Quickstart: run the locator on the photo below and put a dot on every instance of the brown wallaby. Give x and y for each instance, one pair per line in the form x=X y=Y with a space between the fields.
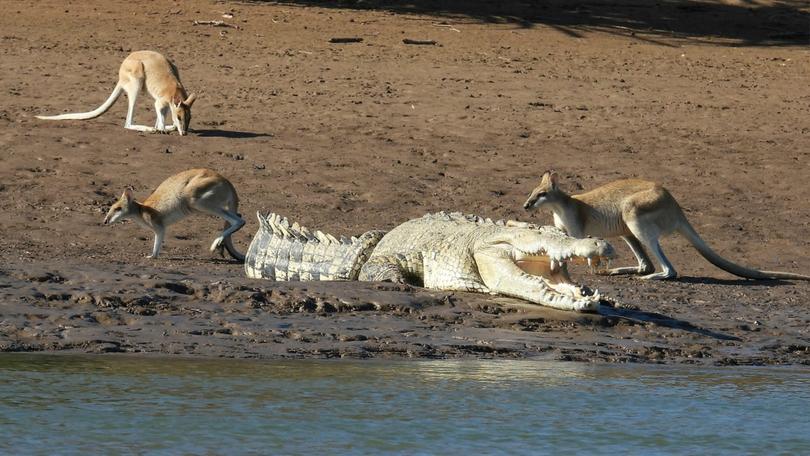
x=638 y=211
x=195 y=190
x=162 y=81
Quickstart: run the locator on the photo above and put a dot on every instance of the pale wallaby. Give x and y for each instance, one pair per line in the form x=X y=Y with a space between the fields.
x=195 y=190
x=638 y=211
x=160 y=77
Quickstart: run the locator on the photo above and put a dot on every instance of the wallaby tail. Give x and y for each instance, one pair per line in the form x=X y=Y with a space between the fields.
x=230 y=248
x=233 y=207
x=686 y=229
x=92 y=114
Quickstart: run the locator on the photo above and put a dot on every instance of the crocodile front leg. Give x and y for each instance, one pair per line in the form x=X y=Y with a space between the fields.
x=395 y=268
x=382 y=269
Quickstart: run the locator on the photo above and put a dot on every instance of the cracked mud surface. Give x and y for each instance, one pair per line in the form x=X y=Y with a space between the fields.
x=351 y=137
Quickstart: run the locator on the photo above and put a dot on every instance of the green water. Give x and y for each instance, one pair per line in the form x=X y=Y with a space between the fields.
x=131 y=405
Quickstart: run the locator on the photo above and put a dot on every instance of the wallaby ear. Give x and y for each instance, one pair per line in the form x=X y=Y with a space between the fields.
x=127 y=196
x=554 y=179
x=550 y=178
x=190 y=100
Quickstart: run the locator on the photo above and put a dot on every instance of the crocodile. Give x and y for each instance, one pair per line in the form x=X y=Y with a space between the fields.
x=445 y=251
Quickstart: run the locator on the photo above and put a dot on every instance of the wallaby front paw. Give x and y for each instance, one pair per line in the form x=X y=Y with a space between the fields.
x=658 y=276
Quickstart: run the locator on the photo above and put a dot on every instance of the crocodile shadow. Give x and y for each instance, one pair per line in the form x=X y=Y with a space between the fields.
x=642 y=317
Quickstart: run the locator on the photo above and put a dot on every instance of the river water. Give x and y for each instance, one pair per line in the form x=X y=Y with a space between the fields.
x=54 y=404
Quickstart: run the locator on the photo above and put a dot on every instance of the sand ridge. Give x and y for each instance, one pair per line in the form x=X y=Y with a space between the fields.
x=351 y=137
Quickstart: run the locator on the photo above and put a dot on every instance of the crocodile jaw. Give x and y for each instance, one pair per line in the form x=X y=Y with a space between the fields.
x=531 y=277
x=554 y=272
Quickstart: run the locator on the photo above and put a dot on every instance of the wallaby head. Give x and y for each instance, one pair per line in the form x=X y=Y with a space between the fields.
x=547 y=191
x=122 y=209
x=181 y=114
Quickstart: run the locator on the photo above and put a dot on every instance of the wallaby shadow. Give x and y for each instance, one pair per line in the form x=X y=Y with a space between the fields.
x=226 y=261
x=639 y=316
x=731 y=282
x=212 y=133
x=200 y=259
x=716 y=281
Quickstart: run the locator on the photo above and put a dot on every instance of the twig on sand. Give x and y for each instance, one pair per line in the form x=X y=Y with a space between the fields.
x=352 y=39
x=420 y=42
x=216 y=24
x=448 y=27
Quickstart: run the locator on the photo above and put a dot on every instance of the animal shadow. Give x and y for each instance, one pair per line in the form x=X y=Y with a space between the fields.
x=201 y=259
x=213 y=133
x=731 y=282
x=639 y=316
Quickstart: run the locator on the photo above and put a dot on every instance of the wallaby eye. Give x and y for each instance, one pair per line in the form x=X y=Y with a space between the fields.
x=541 y=195
x=117 y=209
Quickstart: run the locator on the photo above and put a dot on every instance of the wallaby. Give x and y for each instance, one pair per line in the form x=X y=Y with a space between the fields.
x=195 y=190
x=638 y=211
x=160 y=77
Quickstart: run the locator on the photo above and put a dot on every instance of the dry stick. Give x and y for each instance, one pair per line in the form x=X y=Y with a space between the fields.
x=422 y=42
x=352 y=39
x=448 y=26
x=216 y=24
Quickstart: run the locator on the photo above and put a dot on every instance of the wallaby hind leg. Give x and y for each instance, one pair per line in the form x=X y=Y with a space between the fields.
x=220 y=249
x=234 y=223
x=648 y=235
x=645 y=266
x=133 y=88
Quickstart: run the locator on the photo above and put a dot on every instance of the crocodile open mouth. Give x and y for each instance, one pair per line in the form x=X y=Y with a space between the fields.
x=556 y=269
x=553 y=270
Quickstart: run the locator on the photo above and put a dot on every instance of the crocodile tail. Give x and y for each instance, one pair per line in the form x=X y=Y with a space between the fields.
x=686 y=229
x=281 y=250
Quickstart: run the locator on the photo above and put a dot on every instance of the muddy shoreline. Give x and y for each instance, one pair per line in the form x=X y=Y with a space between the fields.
x=357 y=136
x=197 y=313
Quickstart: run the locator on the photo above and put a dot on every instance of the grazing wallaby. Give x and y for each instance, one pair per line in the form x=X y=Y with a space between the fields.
x=195 y=190
x=161 y=79
x=638 y=211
